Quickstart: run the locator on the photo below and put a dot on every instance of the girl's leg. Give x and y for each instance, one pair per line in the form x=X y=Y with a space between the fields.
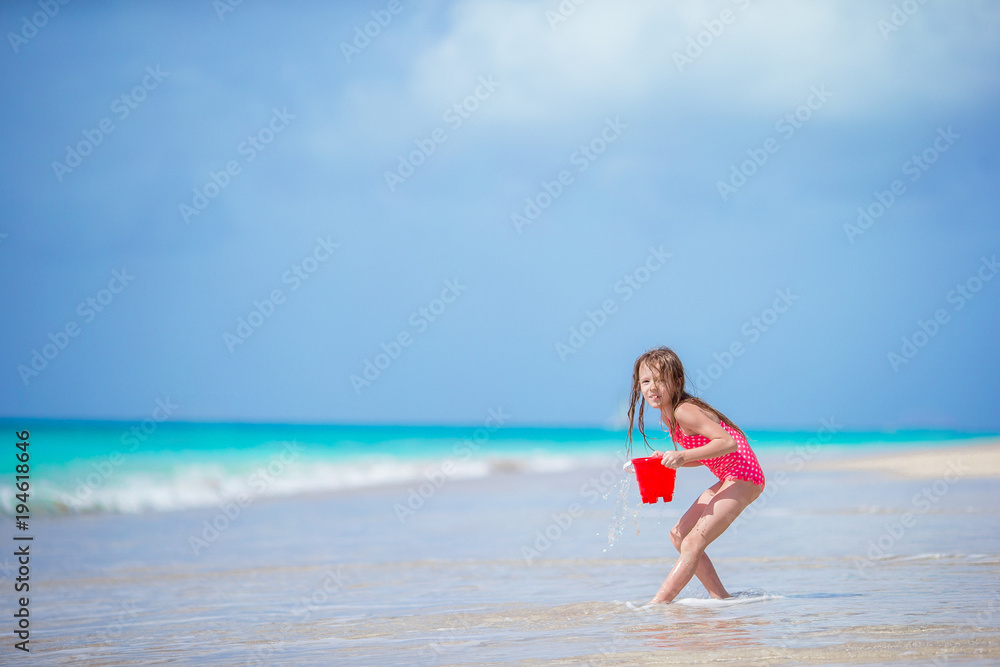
x=723 y=508
x=705 y=571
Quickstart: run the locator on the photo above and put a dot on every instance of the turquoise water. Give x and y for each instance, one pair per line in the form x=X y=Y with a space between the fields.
x=83 y=467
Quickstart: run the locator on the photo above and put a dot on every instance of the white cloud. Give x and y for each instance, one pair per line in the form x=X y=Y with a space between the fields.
x=617 y=58
x=617 y=54
x=599 y=53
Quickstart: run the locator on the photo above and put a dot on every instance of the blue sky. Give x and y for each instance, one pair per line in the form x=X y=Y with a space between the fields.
x=619 y=123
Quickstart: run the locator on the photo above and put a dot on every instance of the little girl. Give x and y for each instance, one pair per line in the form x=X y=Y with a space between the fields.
x=708 y=438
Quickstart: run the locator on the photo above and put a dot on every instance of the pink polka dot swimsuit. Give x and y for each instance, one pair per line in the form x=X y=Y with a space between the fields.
x=741 y=464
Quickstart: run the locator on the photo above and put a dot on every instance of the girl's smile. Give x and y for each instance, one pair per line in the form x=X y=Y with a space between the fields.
x=652 y=389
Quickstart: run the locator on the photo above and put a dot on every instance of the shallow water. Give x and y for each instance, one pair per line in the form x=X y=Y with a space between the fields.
x=517 y=568
x=477 y=612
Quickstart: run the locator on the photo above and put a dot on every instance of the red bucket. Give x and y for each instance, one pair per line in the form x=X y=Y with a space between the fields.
x=655 y=479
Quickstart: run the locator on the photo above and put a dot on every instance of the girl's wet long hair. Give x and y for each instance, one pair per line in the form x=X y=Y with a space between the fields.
x=665 y=364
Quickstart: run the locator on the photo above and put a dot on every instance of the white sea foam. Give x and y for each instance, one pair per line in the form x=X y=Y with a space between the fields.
x=743 y=597
x=154 y=486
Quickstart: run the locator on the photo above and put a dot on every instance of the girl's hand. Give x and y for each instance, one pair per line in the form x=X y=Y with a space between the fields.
x=674 y=459
x=658 y=454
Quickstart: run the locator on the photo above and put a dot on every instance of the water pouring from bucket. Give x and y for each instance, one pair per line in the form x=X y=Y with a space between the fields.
x=655 y=479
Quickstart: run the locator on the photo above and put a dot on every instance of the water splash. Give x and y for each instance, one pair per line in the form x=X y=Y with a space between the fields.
x=620 y=516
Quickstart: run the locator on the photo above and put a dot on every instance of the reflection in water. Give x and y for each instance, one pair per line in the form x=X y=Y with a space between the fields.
x=701 y=633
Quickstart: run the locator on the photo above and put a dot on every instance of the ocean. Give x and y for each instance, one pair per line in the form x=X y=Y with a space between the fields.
x=84 y=467
x=223 y=544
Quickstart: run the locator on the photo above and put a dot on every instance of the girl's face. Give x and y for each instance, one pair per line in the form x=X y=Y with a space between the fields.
x=653 y=389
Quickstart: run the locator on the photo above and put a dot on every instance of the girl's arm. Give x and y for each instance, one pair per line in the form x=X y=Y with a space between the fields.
x=689 y=464
x=693 y=419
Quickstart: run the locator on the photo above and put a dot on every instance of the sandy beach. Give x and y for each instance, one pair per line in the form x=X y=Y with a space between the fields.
x=976 y=459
